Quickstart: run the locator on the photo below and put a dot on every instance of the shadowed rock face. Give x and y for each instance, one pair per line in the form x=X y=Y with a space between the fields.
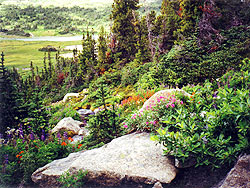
x=239 y=176
x=130 y=158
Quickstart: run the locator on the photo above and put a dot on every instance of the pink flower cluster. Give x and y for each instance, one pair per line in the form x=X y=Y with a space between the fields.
x=124 y=125
x=170 y=100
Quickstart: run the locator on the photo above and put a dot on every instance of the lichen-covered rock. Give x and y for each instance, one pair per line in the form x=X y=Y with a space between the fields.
x=163 y=93
x=239 y=176
x=70 y=95
x=128 y=158
x=68 y=124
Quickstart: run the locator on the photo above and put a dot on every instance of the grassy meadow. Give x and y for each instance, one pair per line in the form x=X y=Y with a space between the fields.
x=19 y=53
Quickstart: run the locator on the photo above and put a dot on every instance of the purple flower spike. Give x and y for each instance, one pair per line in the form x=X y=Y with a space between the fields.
x=58 y=135
x=32 y=136
x=65 y=135
x=42 y=137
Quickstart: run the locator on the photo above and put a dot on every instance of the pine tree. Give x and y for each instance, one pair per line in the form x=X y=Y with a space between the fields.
x=10 y=99
x=142 y=45
x=38 y=117
x=88 y=61
x=189 y=13
x=123 y=28
x=102 y=48
x=169 y=21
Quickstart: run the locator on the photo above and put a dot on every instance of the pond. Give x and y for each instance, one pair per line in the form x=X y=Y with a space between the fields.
x=47 y=38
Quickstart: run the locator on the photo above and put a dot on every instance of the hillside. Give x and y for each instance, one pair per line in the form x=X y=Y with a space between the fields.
x=179 y=76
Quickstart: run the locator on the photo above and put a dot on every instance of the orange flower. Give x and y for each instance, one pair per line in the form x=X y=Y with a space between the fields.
x=17 y=156
x=63 y=144
x=199 y=102
x=20 y=157
x=71 y=139
x=193 y=93
x=21 y=152
x=80 y=145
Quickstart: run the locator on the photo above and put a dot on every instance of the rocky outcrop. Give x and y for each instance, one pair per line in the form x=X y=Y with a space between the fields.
x=130 y=158
x=68 y=124
x=163 y=93
x=239 y=176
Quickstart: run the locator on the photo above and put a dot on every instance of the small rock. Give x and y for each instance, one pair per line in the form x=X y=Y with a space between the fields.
x=70 y=95
x=85 y=112
x=157 y=185
x=83 y=132
x=68 y=124
x=76 y=139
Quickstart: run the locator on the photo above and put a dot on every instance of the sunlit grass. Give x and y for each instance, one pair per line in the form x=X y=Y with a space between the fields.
x=19 y=54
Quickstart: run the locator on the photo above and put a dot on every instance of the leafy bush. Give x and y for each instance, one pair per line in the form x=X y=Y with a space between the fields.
x=213 y=127
x=150 y=118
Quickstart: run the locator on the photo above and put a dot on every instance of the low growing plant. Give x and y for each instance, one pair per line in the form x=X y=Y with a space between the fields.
x=69 y=180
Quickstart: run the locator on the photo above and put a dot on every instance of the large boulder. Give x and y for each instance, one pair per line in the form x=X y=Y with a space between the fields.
x=130 y=158
x=68 y=124
x=163 y=93
x=239 y=176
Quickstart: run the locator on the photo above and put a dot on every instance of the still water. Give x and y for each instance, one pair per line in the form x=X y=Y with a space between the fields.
x=47 y=38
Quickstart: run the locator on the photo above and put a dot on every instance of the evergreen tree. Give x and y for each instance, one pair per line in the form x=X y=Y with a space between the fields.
x=123 y=28
x=189 y=13
x=170 y=23
x=88 y=61
x=102 y=49
x=142 y=44
x=10 y=100
x=37 y=115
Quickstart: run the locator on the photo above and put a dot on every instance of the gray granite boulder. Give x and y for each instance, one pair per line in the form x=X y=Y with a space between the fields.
x=239 y=176
x=130 y=158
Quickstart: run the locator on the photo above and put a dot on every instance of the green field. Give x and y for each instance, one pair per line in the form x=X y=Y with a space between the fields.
x=19 y=54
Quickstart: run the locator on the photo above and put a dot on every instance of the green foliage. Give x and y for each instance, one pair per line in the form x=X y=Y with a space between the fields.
x=213 y=126
x=102 y=49
x=189 y=14
x=151 y=117
x=193 y=64
x=73 y=180
x=23 y=154
x=58 y=112
x=88 y=61
x=123 y=28
x=11 y=102
x=105 y=124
